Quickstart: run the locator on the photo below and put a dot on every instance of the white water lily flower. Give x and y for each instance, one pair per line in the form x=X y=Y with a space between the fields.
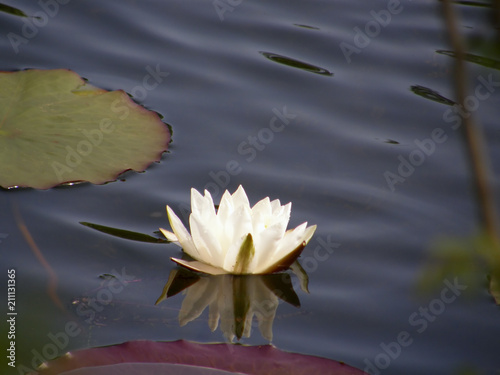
x=237 y=239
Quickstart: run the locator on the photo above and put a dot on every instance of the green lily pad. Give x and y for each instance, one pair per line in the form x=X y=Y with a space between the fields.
x=56 y=128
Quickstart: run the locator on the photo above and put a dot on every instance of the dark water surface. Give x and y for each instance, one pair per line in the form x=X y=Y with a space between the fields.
x=330 y=125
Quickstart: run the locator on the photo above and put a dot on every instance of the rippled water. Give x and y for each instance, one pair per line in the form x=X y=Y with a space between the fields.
x=270 y=88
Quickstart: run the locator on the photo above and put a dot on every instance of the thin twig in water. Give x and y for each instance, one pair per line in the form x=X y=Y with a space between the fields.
x=52 y=284
x=472 y=133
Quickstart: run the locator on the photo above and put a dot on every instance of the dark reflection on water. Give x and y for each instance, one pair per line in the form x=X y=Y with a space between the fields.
x=238 y=302
x=296 y=63
x=430 y=94
x=329 y=161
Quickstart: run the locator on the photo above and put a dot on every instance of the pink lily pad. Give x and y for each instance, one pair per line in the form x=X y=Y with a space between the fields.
x=250 y=360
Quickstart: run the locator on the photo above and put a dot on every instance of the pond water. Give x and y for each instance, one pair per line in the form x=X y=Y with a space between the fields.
x=292 y=101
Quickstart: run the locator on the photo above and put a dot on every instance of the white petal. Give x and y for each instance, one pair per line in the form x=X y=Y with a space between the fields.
x=223 y=213
x=240 y=198
x=265 y=244
x=242 y=222
x=228 y=218
x=211 y=216
x=264 y=205
x=197 y=201
x=290 y=242
x=205 y=241
x=225 y=205
x=182 y=234
x=231 y=255
x=238 y=227
x=282 y=215
x=261 y=215
x=276 y=205
x=170 y=236
x=206 y=230
x=309 y=233
x=202 y=206
x=267 y=240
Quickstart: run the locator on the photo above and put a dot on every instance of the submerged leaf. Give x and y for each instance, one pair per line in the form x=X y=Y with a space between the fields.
x=55 y=128
x=123 y=233
x=11 y=10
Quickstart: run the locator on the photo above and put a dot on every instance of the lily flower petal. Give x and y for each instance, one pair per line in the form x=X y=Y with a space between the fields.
x=182 y=234
x=240 y=197
x=238 y=230
x=267 y=242
x=205 y=241
x=275 y=206
x=169 y=235
x=295 y=239
x=203 y=205
x=236 y=238
x=261 y=214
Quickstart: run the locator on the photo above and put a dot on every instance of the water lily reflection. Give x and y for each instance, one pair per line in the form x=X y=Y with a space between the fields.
x=234 y=300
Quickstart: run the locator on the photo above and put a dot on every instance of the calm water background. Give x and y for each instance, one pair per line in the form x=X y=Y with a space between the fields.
x=347 y=124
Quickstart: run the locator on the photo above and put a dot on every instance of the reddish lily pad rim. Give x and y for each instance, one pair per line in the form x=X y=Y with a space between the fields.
x=262 y=359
